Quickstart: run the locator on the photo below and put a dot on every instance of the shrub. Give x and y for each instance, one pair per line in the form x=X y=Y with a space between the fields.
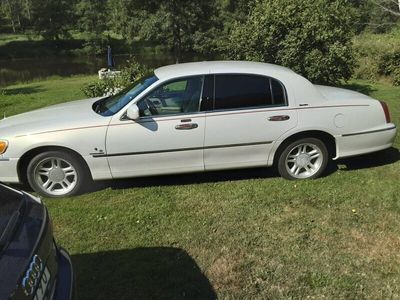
x=389 y=62
x=396 y=77
x=111 y=85
x=312 y=37
x=97 y=88
x=367 y=68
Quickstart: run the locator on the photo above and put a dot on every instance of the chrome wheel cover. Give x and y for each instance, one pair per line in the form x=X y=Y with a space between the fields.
x=304 y=160
x=55 y=176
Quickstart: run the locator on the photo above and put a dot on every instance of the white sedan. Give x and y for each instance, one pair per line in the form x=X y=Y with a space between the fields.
x=189 y=118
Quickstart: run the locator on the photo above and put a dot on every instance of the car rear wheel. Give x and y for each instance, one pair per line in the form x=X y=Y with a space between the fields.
x=303 y=159
x=56 y=174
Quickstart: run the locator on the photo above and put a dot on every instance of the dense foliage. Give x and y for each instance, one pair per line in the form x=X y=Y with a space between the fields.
x=311 y=37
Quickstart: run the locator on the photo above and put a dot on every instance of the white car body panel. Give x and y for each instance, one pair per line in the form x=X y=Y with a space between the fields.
x=223 y=139
x=152 y=146
x=256 y=137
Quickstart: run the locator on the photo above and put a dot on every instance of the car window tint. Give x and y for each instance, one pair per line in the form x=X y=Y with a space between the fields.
x=241 y=91
x=278 y=92
x=208 y=93
x=174 y=97
x=238 y=91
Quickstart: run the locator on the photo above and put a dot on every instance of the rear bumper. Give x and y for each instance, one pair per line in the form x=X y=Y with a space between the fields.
x=65 y=285
x=8 y=170
x=358 y=143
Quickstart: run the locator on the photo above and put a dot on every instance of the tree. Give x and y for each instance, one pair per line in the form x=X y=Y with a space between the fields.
x=92 y=16
x=380 y=15
x=51 y=18
x=312 y=37
x=390 y=6
x=182 y=25
x=11 y=10
x=92 y=20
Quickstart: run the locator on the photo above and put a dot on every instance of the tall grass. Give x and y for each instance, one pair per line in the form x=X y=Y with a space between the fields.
x=371 y=50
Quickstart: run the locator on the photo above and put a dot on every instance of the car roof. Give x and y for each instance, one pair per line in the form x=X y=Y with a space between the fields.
x=299 y=88
x=215 y=67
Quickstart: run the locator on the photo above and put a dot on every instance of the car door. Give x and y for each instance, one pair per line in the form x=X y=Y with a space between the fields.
x=167 y=138
x=250 y=113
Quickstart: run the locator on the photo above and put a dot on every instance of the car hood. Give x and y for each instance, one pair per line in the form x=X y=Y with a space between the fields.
x=57 y=117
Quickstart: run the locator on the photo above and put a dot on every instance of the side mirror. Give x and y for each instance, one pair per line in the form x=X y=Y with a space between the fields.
x=133 y=112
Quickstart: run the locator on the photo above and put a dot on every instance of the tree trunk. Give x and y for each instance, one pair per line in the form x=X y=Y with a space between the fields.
x=10 y=10
x=28 y=9
x=13 y=25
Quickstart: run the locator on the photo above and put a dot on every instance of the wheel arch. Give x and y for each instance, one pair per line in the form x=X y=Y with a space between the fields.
x=25 y=159
x=328 y=139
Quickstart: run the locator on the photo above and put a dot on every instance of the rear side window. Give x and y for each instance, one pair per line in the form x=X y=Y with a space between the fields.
x=278 y=92
x=240 y=91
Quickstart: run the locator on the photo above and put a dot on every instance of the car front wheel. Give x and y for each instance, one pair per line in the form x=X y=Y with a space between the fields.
x=56 y=174
x=303 y=159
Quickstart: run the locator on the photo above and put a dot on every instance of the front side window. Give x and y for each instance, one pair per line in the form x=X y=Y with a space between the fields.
x=175 y=97
x=234 y=91
x=111 y=105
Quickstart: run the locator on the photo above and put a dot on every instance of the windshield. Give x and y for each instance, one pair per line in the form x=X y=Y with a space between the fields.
x=111 y=105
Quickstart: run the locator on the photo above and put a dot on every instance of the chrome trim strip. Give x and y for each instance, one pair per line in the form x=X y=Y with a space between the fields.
x=200 y=115
x=367 y=132
x=180 y=150
x=4 y=159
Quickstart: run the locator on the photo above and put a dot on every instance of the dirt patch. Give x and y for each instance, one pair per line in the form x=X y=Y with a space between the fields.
x=224 y=272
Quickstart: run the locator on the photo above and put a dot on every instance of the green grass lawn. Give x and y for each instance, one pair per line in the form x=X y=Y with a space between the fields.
x=25 y=97
x=232 y=235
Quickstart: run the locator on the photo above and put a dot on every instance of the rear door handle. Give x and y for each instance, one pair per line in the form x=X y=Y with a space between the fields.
x=279 y=118
x=186 y=126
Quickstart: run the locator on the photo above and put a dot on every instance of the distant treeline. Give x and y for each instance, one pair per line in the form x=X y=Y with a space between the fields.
x=278 y=31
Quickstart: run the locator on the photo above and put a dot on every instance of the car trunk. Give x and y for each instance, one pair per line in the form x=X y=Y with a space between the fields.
x=333 y=93
x=22 y=223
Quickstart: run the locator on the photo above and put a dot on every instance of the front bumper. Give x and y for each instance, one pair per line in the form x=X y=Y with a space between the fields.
x=8 y=170
x=65 y=285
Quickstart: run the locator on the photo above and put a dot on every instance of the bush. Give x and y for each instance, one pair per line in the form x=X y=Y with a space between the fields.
x=112 y=85
x=312 y=37
x=367 y=68
x=389 y=63
x=396 y=77
x=96 y=88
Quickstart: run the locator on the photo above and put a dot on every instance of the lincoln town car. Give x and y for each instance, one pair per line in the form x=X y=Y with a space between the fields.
x=193 y=117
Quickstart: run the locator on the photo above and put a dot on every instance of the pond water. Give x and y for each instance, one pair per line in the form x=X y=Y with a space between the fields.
x=24 y=70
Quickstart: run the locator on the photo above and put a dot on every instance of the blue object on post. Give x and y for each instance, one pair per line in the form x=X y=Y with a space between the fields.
x=110 y=59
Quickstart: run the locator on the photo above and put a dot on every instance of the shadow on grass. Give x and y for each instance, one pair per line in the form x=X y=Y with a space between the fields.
x=362 y=88
x=377 y=159
x=381 y=158
x=372 y=160
x=142 y=273
x=186 y=179
x=23 y=90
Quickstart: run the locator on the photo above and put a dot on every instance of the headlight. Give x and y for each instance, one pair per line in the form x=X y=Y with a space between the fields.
x=3 y=146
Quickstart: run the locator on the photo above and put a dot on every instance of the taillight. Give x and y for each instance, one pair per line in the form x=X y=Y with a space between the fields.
x=386 y=111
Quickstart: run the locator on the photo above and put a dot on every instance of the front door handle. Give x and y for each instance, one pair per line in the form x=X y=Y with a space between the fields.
x=186 y=126
x=279 y=118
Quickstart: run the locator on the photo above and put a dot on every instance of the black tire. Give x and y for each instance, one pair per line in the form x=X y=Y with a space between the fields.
x=80 y=177
x=286 y=168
